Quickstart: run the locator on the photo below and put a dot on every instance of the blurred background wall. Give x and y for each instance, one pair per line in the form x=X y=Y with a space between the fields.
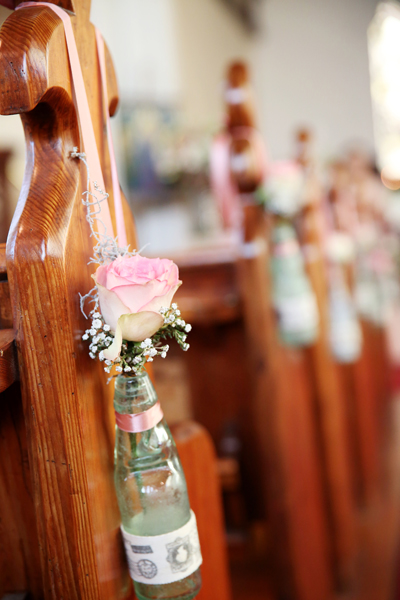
x=309 y=64
x=309 y=60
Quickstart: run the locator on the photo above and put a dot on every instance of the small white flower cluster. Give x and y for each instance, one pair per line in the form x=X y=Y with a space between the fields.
x=134 y=355
x=150 y=351
x=172 y=317
x=99 y=335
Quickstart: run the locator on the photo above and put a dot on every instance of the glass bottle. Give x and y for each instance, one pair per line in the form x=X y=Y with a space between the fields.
x=293 y=296
x=345 y=330
x=158 y=527
x=368 y=296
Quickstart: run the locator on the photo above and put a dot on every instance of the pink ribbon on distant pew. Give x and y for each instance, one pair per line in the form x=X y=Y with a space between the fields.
x=139 y=422
x=225 y=192
x=86 y=124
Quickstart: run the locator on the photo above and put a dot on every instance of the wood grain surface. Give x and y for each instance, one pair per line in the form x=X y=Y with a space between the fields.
x=8 y=359
x=6 y=321
x=3 y=262
x=284 y=423
x=67 y=405
x=199 y=463
x=281 y=400
x=19 y=548
x=329 y=392
x=210 y=294
x=367 y=416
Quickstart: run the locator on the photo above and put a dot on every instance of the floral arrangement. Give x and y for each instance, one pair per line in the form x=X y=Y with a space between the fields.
x=133 y=315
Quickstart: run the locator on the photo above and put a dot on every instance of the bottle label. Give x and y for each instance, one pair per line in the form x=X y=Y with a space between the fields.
x=159 y=559
x=346 y=340
x=298 y=313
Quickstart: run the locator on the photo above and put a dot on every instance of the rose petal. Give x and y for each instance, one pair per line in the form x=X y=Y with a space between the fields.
x=133 y=328
x=156 y=303
x=111 y=306
x=117 y=280
x=173 y=275
x=138 y=270
x=114 y=350
x=101 y=275
x=136 y=327
x=132 y=270
x=136 y=297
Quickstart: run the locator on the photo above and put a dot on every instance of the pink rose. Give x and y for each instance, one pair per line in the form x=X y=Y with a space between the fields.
x=131 y=292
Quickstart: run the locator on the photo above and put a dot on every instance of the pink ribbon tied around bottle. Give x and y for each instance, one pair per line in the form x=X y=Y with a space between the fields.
x=139 y=422
x=286 y=248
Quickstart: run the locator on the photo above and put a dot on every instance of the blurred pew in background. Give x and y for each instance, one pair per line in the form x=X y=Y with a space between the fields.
x=322 y=479
x=328 y=388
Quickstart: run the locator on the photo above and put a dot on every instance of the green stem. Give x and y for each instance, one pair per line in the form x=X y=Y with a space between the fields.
x=138 y=476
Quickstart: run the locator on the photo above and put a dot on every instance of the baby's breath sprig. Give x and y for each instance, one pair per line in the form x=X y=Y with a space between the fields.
x=134 y=355
x=174 y=326
x=99 y=335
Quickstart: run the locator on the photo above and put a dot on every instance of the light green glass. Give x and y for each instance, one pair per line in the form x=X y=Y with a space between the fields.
x=150 y=483
x=344 y=328
x=293 y=296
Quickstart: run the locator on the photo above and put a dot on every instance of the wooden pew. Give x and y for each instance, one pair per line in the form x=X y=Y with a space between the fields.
x=60 y=521
x=361 y=378
x=283 y=421
x=19 y=554
x=66 y=404
x=328 y=386
x=198 y=458
x=7 y=193
x=281 y=403
x=19 y=550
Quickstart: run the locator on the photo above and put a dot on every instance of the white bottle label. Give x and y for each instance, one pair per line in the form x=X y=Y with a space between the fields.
x=159 y=559
x=298 y=313
x=346 y=340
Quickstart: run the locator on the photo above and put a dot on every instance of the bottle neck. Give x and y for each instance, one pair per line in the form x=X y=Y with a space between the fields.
x=134 y=394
